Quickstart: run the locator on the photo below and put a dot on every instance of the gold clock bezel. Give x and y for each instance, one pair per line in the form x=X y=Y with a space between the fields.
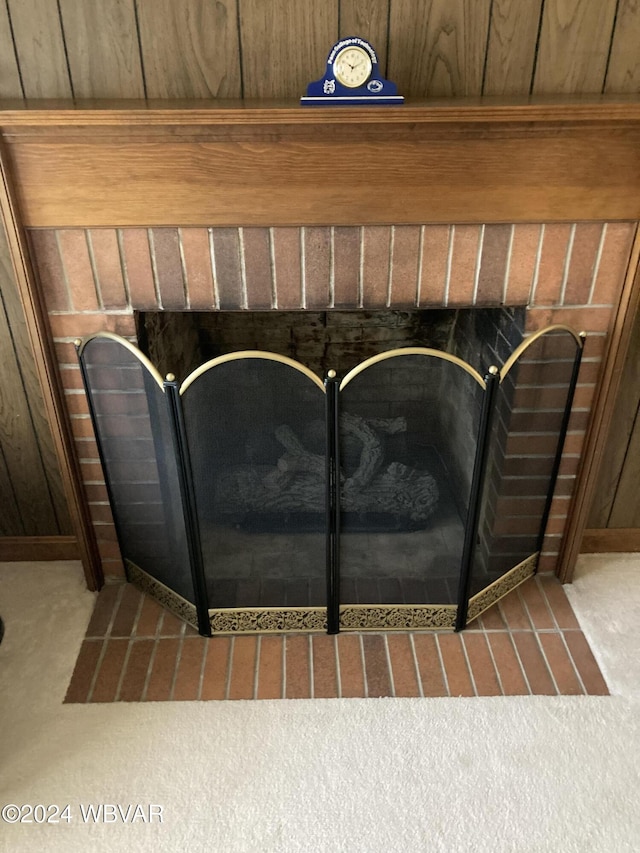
x=337 y=74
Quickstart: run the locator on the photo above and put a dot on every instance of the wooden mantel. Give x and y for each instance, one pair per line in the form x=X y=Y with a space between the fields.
x=225 y=163
x=242 y=163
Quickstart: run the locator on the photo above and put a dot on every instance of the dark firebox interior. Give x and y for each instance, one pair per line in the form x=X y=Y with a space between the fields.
x=257 y=438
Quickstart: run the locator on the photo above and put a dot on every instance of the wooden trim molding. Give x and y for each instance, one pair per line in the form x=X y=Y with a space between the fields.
x=229 y=164
x=610 y=540
x=55 y=112
x=27 y=548
x=42 y=345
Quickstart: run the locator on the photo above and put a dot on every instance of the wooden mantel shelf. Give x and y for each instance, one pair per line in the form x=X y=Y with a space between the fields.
x=233 y=163
x=42 y=113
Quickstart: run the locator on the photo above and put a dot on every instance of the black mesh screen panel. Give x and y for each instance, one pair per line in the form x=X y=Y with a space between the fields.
x=525 y=438
x=408 y=432
x=132 y=429
x=256 y=434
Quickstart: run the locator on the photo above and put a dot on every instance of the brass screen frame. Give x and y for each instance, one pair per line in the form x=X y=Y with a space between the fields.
x=250 y=354
x=81 y=343
x=579 y=338
x=400 y=351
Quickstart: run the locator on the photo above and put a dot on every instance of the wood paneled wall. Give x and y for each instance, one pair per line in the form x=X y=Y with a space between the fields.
x=273 y=48
x=266 y=49
x=31 y=495
x=616 y=506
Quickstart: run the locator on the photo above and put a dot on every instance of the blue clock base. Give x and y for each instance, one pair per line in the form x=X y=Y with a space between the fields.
x=351 y=101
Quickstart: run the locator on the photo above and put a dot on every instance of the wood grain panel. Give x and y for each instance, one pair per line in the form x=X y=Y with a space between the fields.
x=102 y=48
x=574 y=45
x=28 y=375
x=190 y=49
x=40 y=48
x=30 y=548
x=19 y=444
x=368 y=19
x=620 y=540
x=280 y=175
x=626 y=506
x=618 y=441
x=623 y=74
x=437 y=50
x=513 y=36
x=10 y=521
x=10 y=86
x=285 y=45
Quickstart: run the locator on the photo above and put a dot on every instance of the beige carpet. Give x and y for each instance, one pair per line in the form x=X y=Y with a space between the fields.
x=606 y=597
x=501 y=774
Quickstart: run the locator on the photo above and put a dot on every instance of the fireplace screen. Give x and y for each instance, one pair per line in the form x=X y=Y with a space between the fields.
x=407 y=463
x=255 y=427
x=411 y=492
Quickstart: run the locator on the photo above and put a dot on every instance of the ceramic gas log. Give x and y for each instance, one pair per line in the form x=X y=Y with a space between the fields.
x=411 y=491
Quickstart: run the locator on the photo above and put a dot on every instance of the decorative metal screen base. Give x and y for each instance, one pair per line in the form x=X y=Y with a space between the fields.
x=354 y=617
x=169 y=599
x=412 y=493
x=503 y=586
x=267 y=620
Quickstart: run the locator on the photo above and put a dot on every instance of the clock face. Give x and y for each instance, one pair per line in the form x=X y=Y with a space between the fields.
x=352 y=67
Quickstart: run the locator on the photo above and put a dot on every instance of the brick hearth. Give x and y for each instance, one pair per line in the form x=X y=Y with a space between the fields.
x=94 y=280
x=528 y=644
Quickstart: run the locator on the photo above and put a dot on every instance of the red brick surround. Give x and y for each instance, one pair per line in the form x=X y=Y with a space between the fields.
x=94 y=280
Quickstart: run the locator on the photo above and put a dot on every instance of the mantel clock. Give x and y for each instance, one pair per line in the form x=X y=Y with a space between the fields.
x=352 y=77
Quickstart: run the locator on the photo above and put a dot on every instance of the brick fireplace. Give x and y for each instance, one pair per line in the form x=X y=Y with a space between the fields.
x=226 y=206
x=96 y=279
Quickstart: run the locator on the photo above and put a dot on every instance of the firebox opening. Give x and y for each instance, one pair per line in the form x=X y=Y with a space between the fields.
x=179 y=342
x=408 y=441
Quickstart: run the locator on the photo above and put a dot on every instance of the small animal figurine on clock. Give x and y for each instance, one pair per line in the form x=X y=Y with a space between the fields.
x=352 y=77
